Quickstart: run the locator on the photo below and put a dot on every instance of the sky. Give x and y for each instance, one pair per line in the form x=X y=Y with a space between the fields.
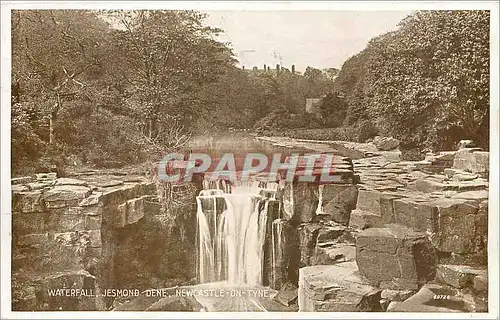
x=321 y=39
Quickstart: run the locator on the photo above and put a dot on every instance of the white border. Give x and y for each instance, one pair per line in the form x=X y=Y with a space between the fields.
x=5 y=205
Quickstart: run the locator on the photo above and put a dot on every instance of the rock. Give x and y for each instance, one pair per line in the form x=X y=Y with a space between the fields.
x=300 y=201
x=28 y=202
x=336 y=288
x=21 y=180
x=385 y=143
x=287 y=295
x=376 y=202
x=39 y=185
x=284 y=259
x=19 y=188
x=384 y=303
x=464 y=176
x=338 y=200
x=326 y=254
x=466 y=144
x=46 y=176
x=392 y=306
x=93 y=199
x=79 y=280
x=71 y=182
x=396 y=295
x=456 y=220
x=395 y=257
x=59 y=196
x=472 y=195
x=65 y=222
x=129 y=212
x=363 y=220
x=95 y=238
x=480 y=282
x=332 y=233
x=431 y=298
x=427 y=186
x=457 y=276
x=418 y=175
x=445 y=156
x=28 y=223
x=472 y=161
x=108 y=183
x=308 y=235
x=29 y=240
x=419 y=216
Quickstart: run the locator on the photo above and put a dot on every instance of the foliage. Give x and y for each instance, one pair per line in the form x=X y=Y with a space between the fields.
x=333 y=109
x=426 y=83
x=80 y=77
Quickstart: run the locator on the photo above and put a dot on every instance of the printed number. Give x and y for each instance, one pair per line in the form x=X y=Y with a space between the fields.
x=442 y=297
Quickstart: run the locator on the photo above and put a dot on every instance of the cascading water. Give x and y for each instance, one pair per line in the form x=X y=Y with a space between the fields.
x=232 y=223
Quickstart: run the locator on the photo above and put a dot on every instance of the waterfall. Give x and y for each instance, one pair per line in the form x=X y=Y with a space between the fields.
x=231 y=222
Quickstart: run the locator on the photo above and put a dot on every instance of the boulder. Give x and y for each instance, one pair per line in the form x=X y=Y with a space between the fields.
x=472 y=161
x=385 y=143
x=466 y=144
x=338 y=200
x=395 y=257
x=336 y=288
x=455 y=221
x=456 y=275
x=480 y=282
x=416 y=215
x=287 y=295
x=396 y=295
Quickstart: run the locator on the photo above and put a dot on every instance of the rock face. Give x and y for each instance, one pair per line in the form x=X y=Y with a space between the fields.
x=336 y=288
x=338 y=200
x=63 y=237
x=395 y=257
x=301 y=201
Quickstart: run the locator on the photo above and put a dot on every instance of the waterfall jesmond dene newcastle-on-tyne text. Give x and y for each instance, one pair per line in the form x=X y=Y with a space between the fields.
x=326 y=158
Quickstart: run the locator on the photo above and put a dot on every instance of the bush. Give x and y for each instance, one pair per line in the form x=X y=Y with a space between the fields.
x=281 y=120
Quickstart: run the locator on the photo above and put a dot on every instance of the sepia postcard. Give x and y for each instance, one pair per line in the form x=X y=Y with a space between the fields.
x=225 y=159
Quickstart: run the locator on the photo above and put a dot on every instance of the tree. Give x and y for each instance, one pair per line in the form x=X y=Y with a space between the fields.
x=56 y=57
x=162 y=59
x=429 y=80
x=333 y=110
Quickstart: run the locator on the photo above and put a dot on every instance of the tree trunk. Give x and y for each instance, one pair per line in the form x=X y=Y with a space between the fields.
x=52 y=120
